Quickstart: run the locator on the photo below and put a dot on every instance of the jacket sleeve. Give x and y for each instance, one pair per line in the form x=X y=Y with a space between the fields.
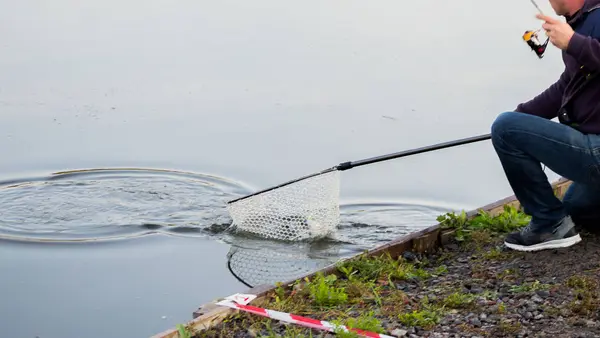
x=586 y=49
x=547 y=103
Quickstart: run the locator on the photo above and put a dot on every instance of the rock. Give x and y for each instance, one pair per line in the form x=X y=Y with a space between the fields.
x=409 y=256
x=543 y=293
x=399 y=333
x=476 y=290
x=538 y=317
x=591 y=323
x=476 y=322
x=528 y=315
x=483 y=316
x=537 y=299
x=401 y=286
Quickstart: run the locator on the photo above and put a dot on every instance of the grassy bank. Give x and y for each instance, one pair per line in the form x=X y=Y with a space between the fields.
x=473 y=287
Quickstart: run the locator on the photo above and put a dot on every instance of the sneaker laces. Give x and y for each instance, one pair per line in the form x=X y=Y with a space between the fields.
x=527 y=228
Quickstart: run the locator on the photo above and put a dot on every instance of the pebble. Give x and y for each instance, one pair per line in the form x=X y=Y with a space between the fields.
x=538 y=317
x=543 y=293
x=399 y=333
x=476 y=322
x=409 y=256
x=537 y=299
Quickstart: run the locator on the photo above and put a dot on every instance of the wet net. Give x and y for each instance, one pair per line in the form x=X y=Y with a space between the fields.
x=303 y=210
x=262 y=265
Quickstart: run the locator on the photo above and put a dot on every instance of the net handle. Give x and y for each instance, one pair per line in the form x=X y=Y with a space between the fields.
x=353 y=164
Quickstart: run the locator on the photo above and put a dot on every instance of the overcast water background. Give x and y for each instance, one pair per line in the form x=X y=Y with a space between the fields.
x=235 y=96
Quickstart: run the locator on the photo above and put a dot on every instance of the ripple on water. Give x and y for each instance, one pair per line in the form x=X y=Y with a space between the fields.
x=114 y=203
x=370 y=224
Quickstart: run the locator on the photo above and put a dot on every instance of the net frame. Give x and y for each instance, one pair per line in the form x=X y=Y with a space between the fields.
x=302 y=210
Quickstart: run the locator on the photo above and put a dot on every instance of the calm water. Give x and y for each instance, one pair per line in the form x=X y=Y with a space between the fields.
x=230 y=97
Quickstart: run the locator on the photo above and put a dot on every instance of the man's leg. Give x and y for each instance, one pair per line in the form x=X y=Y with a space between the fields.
x=582 y=202
x=523 y=142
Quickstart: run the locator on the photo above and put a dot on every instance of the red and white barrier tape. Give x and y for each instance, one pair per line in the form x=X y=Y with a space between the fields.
x=240 y=301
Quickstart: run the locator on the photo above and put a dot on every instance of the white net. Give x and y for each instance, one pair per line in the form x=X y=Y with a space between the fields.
x=306 y=209
x=262 y=265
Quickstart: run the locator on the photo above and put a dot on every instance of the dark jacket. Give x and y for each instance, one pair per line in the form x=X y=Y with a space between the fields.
x=577 y=91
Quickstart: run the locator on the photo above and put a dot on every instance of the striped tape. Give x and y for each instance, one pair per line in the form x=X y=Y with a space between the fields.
x=291 y=318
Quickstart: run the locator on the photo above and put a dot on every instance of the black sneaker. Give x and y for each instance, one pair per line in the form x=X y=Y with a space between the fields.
x=532 y=238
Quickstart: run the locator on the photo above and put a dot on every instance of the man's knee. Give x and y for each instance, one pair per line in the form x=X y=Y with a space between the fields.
x=503 y=122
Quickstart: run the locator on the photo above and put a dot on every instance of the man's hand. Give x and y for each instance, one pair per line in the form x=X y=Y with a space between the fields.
x=558 y=32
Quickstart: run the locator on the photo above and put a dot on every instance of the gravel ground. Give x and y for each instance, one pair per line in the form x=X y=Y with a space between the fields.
x=472 y=288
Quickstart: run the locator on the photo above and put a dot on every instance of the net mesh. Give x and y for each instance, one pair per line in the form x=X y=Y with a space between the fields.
x=259 y=266
x=302 y=210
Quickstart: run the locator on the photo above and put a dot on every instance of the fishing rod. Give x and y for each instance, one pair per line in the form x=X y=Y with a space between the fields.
x=532 y=39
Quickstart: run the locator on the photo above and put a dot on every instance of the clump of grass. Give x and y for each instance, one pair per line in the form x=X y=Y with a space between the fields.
x=381 y=268
x=459 y=300
x=324 y=293
x=481 y=225
x=426 y=318
x=586 y=296
x=183 y=331
x=425 y=315
x=507 y=328
x=528 y=287
x=365 y=321
x=510 y=220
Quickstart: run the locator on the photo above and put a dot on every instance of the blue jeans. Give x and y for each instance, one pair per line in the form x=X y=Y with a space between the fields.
x=523 y=142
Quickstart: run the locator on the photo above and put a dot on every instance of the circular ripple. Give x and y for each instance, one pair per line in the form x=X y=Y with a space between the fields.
x=370 y=224
x=114 y=203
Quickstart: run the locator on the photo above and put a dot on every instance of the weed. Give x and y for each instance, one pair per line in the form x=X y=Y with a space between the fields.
x=582 y=282
x=424 y=318
x=479 y=226
x=495 y=253
x=507 y=328
x=509 y=220
x=324 y=293
x=381 y=268
x=586 y=299
x=458 y=300
x=183 y=331
x=366 y=321
x=527 y=287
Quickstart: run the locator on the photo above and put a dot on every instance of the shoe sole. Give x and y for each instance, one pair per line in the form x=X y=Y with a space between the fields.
x=555 y=244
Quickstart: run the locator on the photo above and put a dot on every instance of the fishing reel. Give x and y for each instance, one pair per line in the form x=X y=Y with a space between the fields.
x=532 y=39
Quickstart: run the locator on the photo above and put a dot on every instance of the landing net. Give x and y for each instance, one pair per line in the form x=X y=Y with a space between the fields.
x=303 y=210
x=262 y=265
